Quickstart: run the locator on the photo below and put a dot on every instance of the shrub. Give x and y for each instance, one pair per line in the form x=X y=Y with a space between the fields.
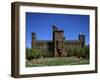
x=78 y=52
x=86 y=52
x=36 y=53
x=32 y=53
x=29 y=55
x=83 y=52
x=45 y=53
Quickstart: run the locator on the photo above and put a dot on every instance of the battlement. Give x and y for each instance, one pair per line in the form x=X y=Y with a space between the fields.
x=58 y=44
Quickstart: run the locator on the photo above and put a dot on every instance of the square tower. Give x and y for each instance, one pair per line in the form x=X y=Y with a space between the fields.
x=82 y=39
x=58 y=41
x=33 y=39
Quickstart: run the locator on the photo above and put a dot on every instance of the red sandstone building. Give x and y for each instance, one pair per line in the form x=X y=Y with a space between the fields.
x=58 y=46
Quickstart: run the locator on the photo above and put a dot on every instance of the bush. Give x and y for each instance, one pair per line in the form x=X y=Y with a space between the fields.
x=83 y=52
x=71 y=52
x=45 y=53
x=78 y=52
x=86 y=52
x=36 y=53
x=32 y=53
x=29 y=55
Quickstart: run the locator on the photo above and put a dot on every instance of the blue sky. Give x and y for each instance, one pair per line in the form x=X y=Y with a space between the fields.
x=41 y=24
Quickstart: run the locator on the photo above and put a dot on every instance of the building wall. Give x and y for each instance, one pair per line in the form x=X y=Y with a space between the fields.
x=58 y=46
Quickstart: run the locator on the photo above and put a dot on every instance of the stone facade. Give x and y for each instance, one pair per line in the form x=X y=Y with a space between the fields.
x=58 y=46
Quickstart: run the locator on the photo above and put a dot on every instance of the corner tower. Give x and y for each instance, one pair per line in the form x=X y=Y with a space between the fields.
x=82 y=39
x=33 y=39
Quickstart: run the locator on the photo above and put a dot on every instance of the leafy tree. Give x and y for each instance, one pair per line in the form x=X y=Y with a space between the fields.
x=32 y=53
x=86 y=52
x=83 y=52
x=45 y=53
x=78 y=52
x=36 y=53
x=29 y=55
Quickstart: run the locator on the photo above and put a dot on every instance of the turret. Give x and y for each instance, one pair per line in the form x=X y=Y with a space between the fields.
x=82 y=39
x=33 y=39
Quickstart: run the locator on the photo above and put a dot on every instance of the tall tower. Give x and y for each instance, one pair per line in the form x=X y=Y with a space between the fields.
x=33 y=39
x=58 y=41
x=82 y=39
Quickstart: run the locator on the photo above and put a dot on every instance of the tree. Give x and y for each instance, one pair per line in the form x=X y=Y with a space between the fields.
x=86 y=52
x=32 y=53
x=29 y=55
x=83 y=52
x=36 y=53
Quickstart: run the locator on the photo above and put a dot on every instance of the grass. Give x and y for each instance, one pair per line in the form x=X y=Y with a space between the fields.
x=56 y=61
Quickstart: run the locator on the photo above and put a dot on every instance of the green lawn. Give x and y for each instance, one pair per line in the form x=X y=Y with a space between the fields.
x=56 y=61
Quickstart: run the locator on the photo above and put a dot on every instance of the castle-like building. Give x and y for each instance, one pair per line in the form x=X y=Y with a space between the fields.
x=58 y=46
